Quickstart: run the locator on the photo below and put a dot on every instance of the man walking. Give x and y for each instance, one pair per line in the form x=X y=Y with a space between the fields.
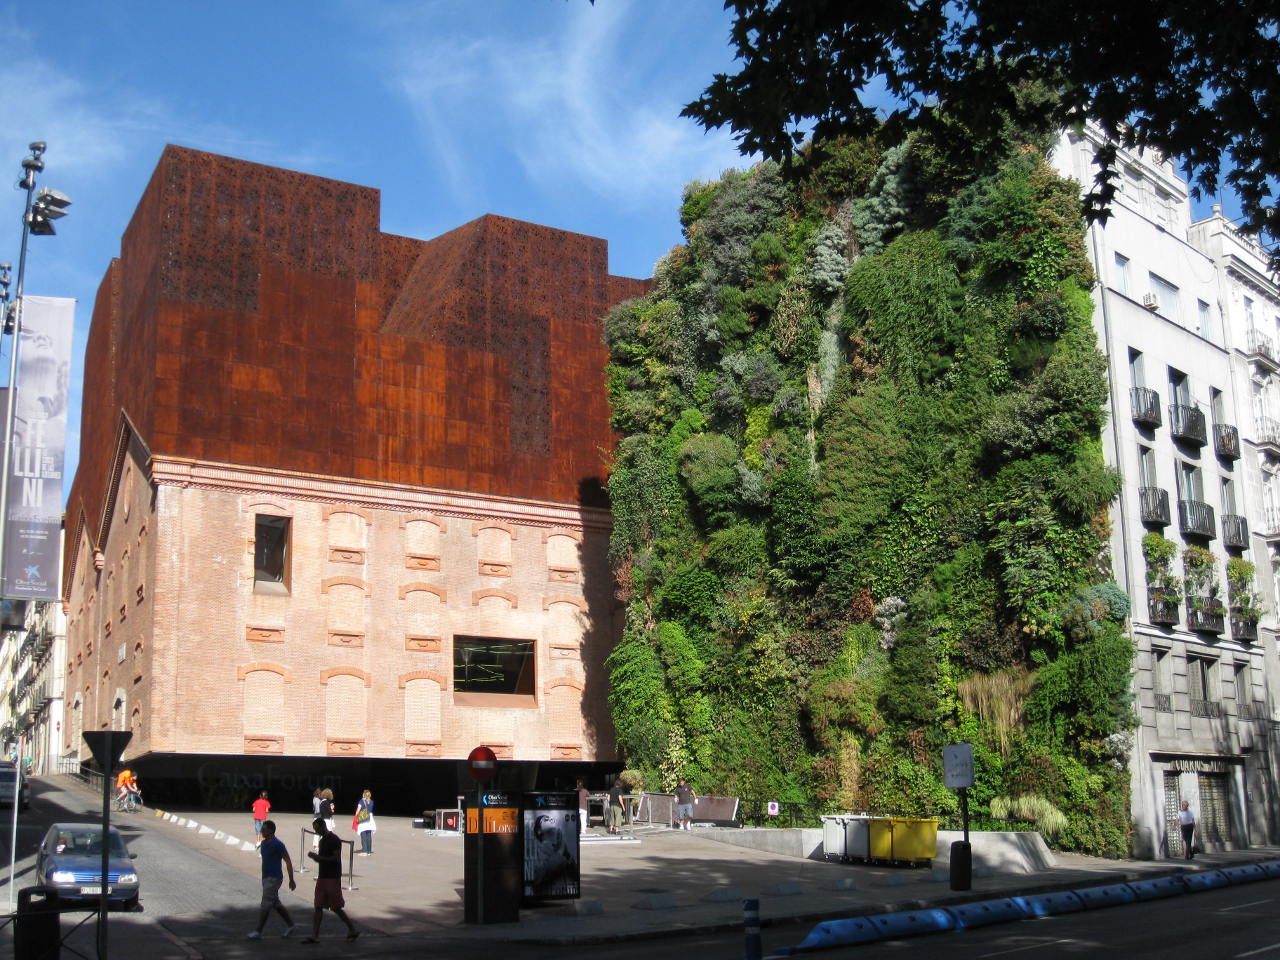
x=274 y=854
x=328 y=881
x=685 y=799
x=1187 y=821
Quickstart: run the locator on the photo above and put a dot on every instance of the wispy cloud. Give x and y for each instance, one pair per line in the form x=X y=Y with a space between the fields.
x=567 y=98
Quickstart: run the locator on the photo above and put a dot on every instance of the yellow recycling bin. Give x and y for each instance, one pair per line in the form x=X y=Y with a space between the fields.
x=915 y=839
x=911 y=840
x=880 y=835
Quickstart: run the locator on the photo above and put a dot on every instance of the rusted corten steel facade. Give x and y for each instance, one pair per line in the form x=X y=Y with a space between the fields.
x=258 y=326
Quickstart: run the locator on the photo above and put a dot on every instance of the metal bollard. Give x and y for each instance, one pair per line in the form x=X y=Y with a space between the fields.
x=752 y=949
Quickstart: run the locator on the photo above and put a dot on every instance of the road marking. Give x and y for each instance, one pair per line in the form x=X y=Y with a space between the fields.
x=1254 y=953
x=1241 y=906
x=1030 y=946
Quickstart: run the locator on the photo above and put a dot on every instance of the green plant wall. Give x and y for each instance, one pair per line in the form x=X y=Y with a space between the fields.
x=861 y=465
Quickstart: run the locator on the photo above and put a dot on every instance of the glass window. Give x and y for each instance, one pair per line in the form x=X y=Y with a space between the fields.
x=1244 y=684
x=1179 y=388
x=1189 y=485
x=493 y=665
x=1122 y=274
x=1206 y=319
x=1199 y=677
x=271 y=554
x=1228 y=497
x=1137 y=375
x=1166 y=295
x=1146 y=466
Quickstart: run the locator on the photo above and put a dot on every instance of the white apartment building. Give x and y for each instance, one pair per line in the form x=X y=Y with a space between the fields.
x=32 y=652
x=1190 y=323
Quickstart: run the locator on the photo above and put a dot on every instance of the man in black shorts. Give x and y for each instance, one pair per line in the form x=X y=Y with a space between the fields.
x=328 y=881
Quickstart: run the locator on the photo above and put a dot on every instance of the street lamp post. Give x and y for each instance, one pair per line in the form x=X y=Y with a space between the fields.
x=42 y=208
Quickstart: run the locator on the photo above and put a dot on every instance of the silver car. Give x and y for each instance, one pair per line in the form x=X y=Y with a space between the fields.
x=70 y=865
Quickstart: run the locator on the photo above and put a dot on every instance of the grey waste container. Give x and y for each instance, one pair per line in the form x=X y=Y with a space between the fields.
x=857 y=838
x=833 y=837
x=37 y=931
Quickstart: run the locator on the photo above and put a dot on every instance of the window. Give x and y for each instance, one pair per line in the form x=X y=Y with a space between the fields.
x=488 y=667
x=1206 y=319
x=1137 y=375
x=1166 y=295
x=1199 y=679
x=1179 y=388
x=1229 y=497
x=1122 y=274
x=1146 y=466
x=1190 y=486
x=1244 y=684
x=271 y=554
x=1218 y=405
x=1248 y=312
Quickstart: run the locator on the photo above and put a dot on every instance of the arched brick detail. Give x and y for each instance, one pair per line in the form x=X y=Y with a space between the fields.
x=507 y=595
x=564 y=598
x=248 y=668
x=329 y=510
x=327 y=675
x=575 y=535
x=347 y=581
x=409 y=588
x=261 y=505
x=563 y=682
x=424 y=675
x=507 y=528
x=426 y=518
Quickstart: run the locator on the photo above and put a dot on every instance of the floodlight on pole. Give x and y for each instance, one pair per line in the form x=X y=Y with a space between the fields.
x=41 y=209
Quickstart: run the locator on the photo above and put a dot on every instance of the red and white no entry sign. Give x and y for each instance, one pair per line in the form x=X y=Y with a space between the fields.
x=482 y=764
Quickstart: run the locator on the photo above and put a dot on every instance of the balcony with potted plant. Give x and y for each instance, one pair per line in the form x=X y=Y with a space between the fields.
x=1164 y=586
x=1205 y=610
x=1246 y=610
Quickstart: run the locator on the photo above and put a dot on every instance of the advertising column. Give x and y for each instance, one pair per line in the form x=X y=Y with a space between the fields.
x=492 y=862
x=33 y=515
x=551 y=860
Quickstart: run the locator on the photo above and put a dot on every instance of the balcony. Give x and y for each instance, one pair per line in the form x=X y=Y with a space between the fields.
x=1204 y=617
x=1206 y=708
x=1235 y=532
x=1251 y=711
x=1262 y=352
x=1226 y=441
x=1196 y=519
x=1187 y=423
x=1153 y=504
x=1267 y=435
x=1162 y=611
x=1146 y=406
x=1164 y=703
x=1271 y=523
x=1246 y=631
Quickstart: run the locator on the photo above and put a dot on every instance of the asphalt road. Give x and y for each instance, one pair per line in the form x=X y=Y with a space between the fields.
x=1232 y=922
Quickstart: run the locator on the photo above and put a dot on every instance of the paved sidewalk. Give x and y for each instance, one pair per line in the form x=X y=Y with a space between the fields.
x=408 y=895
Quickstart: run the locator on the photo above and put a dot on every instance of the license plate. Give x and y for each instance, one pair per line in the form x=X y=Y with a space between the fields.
x=92 y=891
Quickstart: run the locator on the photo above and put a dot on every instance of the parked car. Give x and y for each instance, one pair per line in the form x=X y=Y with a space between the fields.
x=8 y=777
x=70 y=865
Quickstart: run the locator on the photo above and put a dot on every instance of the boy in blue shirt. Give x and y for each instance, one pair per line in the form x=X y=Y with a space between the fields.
x=274 y=854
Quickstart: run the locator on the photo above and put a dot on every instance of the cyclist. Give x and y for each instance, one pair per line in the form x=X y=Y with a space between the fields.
x=127 y=786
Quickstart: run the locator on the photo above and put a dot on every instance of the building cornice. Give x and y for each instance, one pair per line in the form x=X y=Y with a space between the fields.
x=184 y=472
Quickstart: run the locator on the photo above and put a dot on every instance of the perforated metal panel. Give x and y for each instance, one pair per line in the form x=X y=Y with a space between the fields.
x=1172 y=803
x=1215 y=808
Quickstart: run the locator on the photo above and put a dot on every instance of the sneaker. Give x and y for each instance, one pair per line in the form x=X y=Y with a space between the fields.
x=290 y=932
x=254 y=935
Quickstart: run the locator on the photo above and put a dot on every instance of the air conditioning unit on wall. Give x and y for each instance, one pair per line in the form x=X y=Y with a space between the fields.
x=1149 y=301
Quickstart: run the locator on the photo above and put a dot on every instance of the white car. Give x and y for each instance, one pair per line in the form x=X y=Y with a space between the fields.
x=8 y=777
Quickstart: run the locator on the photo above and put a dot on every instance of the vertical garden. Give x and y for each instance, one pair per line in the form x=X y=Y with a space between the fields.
x=859 y=498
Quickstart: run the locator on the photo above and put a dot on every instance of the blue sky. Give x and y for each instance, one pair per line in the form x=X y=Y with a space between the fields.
x=554 y=111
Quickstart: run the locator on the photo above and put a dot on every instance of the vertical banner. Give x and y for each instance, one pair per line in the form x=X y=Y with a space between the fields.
x=33 y=515
x=551 y=850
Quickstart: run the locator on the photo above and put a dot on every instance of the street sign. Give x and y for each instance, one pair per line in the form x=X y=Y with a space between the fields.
x=957 y=765
x=482 y=764
x=107 y=746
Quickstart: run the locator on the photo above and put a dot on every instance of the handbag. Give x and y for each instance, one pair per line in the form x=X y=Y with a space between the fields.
x=362 y=814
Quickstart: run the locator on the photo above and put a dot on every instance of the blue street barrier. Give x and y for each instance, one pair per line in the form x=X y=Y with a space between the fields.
x=1046 y=904
x=1158 y=888
x=910 y=923
x=839 y=933
x=1244 y=873
x=1110 y=895
x=986 y=911
x=1272 y=868
x=1195 y=882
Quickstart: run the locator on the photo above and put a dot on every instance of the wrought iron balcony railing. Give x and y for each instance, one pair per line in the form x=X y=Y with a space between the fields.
x=1196 y=519
x=1164 y=703
x=1187 y=423
x=1262 y=350
x=1206 y=708
x=1244 y=630
x=1162 y=611
x=1203 y=617
x=1146 y=406
x=1153 y=503
x=1235 y=531
x=1226 y=441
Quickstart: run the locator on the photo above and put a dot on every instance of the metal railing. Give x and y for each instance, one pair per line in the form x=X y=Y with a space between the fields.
x=1153 y=503
x=1226 y=441
x=1196 y=519
x=1206 y=708
x=1164 y=703
x=1187 y=423
x=1260 y=345
x=1146 y=406
x=1267 y=431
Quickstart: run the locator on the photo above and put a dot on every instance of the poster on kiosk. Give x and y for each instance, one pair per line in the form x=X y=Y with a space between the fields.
x=551 y=853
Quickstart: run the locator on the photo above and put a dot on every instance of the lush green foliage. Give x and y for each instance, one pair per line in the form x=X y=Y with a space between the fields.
x=861 y=472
